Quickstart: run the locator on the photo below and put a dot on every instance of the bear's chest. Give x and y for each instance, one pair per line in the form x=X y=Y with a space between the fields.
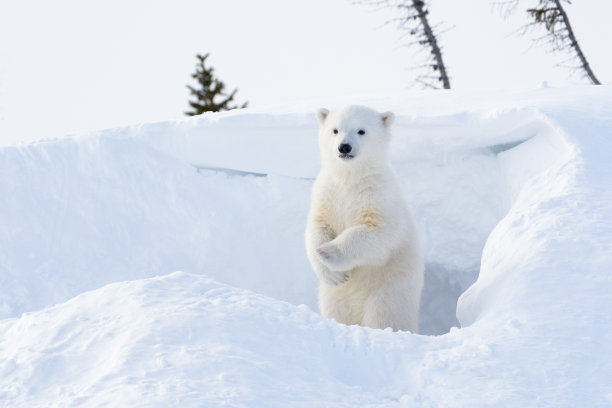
x=347 y=207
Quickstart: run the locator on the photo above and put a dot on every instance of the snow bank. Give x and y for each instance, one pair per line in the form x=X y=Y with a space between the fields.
x=226 y=196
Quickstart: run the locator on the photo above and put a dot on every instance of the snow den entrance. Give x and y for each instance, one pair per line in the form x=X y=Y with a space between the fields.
x=457 y=195
x=460 y=187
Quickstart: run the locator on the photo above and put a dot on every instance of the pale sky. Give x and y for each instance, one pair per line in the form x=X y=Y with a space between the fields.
x=73 y=66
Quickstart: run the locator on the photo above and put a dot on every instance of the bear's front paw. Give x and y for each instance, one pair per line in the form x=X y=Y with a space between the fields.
x=330 y=256
x=332 y=278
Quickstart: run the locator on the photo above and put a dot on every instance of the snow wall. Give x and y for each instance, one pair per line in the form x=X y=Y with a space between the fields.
x=227 y=196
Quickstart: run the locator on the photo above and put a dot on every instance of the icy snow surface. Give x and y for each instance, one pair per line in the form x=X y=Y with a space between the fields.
x=511 y=193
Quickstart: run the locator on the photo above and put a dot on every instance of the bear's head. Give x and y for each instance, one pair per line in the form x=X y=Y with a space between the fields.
x=354 y=136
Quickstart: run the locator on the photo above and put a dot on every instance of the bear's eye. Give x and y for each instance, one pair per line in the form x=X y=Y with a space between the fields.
x=361 y=132
x=335 y=131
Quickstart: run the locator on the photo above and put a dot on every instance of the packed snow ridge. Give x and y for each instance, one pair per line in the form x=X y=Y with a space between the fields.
x=511 y=194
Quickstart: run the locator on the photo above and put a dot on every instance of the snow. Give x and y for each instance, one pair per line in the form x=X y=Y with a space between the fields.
x=510 y=191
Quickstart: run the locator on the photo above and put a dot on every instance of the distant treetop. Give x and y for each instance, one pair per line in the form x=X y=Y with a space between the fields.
x=209 y=93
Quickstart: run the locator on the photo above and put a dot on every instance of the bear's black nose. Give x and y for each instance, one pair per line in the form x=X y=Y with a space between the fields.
x=345 y=148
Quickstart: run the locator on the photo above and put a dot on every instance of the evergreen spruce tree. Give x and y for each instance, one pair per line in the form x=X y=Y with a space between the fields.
x=209 y=89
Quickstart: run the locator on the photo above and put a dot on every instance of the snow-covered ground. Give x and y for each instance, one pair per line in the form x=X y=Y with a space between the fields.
x=511 y=193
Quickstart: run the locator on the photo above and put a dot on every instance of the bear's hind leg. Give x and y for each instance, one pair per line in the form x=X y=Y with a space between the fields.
x=334 y=306
x=379 y=313
x=377 y=316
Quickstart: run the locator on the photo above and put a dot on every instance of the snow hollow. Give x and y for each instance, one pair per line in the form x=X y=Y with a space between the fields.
x=511 y=194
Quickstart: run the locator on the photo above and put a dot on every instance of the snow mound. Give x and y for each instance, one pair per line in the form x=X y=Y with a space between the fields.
x=511 y=193
x=186 y=340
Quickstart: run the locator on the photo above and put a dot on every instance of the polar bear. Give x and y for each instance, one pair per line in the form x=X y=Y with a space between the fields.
x=360 y=236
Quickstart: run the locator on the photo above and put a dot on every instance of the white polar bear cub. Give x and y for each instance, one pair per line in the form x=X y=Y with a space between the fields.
x=360 y=235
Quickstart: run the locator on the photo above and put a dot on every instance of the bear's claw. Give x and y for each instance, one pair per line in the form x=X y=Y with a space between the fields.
x=333 y=278
x=330 y=256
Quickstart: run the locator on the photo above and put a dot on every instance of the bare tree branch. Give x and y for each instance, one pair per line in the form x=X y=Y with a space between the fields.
x=415 y=23
x=419 y=6
x=574 y=43
x=560 y=36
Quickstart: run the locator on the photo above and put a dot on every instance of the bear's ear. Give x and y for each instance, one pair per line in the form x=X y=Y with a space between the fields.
x=387 y=118
x=322 y=115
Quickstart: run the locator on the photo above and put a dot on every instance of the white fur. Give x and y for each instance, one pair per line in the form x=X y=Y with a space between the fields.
x=360 y=236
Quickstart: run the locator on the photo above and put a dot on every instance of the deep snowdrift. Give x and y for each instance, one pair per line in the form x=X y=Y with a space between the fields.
x=226 y=195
